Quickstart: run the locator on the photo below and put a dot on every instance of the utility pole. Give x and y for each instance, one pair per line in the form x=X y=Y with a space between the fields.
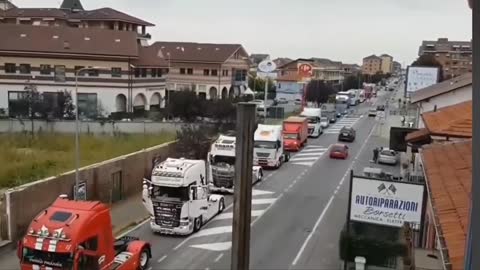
x=242 y=196
x=472 y=250
x=265 y=102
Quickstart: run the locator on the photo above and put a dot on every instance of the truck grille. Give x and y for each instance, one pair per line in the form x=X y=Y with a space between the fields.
x=223 y=178
x=167 y=214
x=264 y=155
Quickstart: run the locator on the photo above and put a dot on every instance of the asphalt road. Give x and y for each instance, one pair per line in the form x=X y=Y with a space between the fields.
x=297 y=211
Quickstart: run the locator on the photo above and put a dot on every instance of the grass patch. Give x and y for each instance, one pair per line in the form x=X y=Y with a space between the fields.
x=25 y=159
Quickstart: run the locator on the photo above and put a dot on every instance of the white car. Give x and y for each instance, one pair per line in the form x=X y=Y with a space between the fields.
x=387 y=156
x=324 y=122
x=372 y=113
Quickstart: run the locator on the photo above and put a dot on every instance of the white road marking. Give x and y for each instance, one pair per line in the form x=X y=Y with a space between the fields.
x=313 y=146
x=266 y=209
x=257 y=192
x=317 y=223
x=304 y=163
x=303 y=158
x=263 y=201
x=162 y=258
x=220 y=246
x=307 y=150
x=212 y=231
x=218 y=257
x=255 y=213
x=308 y=154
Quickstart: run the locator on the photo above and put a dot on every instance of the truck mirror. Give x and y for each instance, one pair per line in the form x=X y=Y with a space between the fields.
x=19 y=249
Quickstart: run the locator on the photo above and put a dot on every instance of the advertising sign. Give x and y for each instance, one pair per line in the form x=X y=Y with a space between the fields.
x=420 y=77
x=385 y=202
x=305 y=70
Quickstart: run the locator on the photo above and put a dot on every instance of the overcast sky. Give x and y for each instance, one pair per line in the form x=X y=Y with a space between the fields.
x=345 y=30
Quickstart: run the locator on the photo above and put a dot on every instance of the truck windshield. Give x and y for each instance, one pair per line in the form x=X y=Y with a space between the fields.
x=224 y=159
x=170 y=193
x=312 y=120
x=290 y=136
x=48 y=259
x=265 y=145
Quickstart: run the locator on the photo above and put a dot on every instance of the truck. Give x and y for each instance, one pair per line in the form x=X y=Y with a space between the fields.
x=221 y=164
x=354 y=95
x=177 y=197
x=295 y=133
x=342 y=104
x=329 y=111
x=268 y=147
x=313 y=115
x=78 y=235
x=362 y=96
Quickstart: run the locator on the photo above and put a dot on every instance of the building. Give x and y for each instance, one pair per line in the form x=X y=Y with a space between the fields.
x=454 y=56
x=211 y=70
x=5 y=4
x=397 y=68
x=331 y=72
x=351 y=70
x=441 y=95
x=371 y=65
x=289 y=86
x=256 y=58
x=387 y=64
x=281 y=61
x=46 y=47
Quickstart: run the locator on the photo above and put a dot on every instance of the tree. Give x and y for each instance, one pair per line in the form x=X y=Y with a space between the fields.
x=193 y=142
x=318 y=91
x=351 y=82
x=64 y=108
x=429 y=61
x=258 y=85
x=185 y=105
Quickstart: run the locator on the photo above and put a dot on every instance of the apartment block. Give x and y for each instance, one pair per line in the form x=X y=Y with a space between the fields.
x=454 y=56
x=387 y=64
x=371 y=65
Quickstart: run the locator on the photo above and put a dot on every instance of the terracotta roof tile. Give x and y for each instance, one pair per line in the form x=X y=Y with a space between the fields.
x=452 y=121
x=448 y=169
x=418 y=135
x=198 y=52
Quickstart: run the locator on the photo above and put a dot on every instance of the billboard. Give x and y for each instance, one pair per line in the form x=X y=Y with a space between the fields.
x=305 y=71
x=420 y=77
x=385 y=203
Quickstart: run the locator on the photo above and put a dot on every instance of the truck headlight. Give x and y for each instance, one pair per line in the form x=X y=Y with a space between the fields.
x=184 y=222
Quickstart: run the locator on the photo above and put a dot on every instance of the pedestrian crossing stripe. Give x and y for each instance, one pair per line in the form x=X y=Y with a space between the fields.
x=303 y=158
x=220 y=246
x=229 y=215
x=303 y=163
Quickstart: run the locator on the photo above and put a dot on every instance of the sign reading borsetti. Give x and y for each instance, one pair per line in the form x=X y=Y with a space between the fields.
x=385 y=203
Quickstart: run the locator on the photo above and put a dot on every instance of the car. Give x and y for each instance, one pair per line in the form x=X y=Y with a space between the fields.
x=381 y=108
x=387 y=156
x=339 y=151
x=282 y=101
x=298 y=101
x=324 y=122
x=347 y=134
x=372 y=113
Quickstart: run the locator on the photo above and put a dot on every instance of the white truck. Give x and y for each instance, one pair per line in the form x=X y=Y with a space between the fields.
x=268 y=148
x=313 y=115
x=177 y=197
x=221 y=164
x=354 y=95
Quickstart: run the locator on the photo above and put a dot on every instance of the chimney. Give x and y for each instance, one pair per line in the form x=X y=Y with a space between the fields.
x=435 y=108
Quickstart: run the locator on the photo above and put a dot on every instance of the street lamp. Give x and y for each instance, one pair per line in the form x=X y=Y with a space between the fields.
x=77 y=150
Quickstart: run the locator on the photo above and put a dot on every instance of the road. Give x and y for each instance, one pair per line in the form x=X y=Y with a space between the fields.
x=298 y=210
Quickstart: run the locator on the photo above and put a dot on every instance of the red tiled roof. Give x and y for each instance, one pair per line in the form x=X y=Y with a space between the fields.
x=448 y=169
x=452 y=121
x=418 y=135
x=64 y=40
x=150 y=57
x=198 y=52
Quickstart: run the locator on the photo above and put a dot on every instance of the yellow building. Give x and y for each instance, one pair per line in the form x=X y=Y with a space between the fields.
x=387 y=63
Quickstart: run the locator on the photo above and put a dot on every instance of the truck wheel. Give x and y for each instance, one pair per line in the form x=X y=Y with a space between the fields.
x=143 y=259
x=197 y=224
x=221 y=205
x=287 y=157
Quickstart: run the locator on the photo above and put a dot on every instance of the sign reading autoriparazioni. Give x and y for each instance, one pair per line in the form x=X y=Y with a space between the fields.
x=386 y=203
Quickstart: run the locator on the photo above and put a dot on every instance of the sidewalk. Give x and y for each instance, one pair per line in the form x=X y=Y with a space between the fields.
x=125 y=214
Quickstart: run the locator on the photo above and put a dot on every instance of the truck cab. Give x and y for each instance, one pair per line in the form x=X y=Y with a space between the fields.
x=177 y=197
x=268 y=148
x=221 y=164
x=313 y=115
x=77 y=235
x=295 y=133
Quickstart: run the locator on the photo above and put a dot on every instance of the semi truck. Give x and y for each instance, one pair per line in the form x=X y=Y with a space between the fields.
x=329 y=111
x=313 y=115
x=342 y=104
x=354 y=95
x=177 y=197
x=268 y=147
x=295 y=133
x=78 y=235
x=221 y=164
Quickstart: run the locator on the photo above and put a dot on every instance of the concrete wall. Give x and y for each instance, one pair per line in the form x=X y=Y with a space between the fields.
x=13 y=125
x=447 y=99
x=25 y=202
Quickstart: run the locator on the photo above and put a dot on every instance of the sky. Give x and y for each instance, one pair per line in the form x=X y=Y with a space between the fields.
x=342 y=30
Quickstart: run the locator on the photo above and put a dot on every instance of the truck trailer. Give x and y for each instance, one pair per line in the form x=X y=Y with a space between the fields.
x=177 y=197
x=295 y=133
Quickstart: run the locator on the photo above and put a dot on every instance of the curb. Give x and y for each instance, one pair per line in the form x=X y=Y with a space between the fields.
x=126 y=229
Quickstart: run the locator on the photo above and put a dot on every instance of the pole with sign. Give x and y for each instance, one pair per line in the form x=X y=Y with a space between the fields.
x=305 y=72
x=267 y=67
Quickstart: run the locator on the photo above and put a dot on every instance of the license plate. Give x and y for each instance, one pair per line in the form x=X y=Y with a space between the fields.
x=345 y=134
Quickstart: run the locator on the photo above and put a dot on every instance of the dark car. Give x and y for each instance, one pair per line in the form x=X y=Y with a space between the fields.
x=381 y=108
x=347 y=134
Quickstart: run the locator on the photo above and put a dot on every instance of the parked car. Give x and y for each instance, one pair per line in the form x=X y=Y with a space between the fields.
x=347 y=134
x=372 y=113
x=387 y=156
x=298 y=101
x=324 y=122
x=339 y=151
x=282 y=101
x=381 y=108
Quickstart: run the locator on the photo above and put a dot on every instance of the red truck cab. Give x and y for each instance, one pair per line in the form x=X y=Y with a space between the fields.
x=295 y=133
x=77 y=235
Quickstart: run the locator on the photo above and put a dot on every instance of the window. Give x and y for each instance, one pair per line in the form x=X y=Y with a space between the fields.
x=190 y=71
x=206 y=72
x=116 y=72
x=45 y=69
x=153 y=72
x=214 y=72
x=77 y=68
x=88 y=262
x=91 y=244
x=159 y=72
x=182 y=71
x=60 y=73
x=225 y=72
x=93 y=72
x=137 y=72
x=87 y=105
x=60 y=216
x=24 y=68
x=10 y=68
x=144 y=72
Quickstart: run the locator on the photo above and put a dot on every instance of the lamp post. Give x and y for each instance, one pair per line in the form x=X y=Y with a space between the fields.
x=77 y=150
